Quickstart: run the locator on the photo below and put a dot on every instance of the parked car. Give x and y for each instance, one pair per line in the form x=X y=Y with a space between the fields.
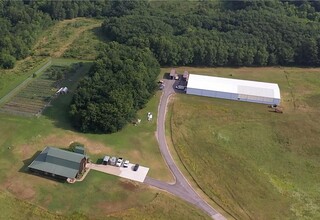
x=160 y=81
x=126 y=163
x=180 y=87
x=119 y=162
x=113 y=161
x=136 y=167
x=106 y=160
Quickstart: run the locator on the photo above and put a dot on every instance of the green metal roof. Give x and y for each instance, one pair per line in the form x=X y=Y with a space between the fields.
x=59 y=162
x=79 y=150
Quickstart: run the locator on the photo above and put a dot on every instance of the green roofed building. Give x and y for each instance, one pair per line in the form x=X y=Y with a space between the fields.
x=59 y=163
x=79 y=149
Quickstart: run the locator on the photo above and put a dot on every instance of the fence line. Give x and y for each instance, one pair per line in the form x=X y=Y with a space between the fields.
x=14 y=91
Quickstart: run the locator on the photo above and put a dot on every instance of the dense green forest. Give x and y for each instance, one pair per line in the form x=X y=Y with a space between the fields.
x=228 y=33
x=205 y=33
x=120 y=82
x=20 y=27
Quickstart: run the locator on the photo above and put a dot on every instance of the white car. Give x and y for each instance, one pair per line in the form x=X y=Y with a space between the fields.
x=126 y=163
x=119 y=162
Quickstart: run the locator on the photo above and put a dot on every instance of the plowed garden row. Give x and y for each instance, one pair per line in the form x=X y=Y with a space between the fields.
x=34 y=98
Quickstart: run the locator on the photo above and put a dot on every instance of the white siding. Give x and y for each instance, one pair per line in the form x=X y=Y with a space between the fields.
x=242 y=90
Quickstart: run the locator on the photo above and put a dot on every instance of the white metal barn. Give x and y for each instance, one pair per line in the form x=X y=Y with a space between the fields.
x=235 y=89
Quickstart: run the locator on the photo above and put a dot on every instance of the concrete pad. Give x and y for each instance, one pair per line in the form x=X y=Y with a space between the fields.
x=127 y=173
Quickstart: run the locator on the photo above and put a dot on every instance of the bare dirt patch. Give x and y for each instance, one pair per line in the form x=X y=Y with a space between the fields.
x=92 y=147
x=19 y=188
x=129 y=185
x=110 y=207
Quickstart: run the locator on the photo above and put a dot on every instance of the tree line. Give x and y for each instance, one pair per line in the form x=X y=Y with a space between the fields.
x=120 y=82
x=22 y=21
x=206 y=33
x=20 y=27
x=232 y=33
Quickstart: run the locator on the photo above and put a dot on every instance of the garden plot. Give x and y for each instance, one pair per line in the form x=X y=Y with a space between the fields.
x=33 y=99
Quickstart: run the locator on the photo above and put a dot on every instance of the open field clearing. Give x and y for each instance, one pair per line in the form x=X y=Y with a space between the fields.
x=53 y=42
x=10 y=79
x=101 y=194
x=59 y=38
x=87 y=45
x=36 y=95
x=157 y=208
x=255 y=163
x=23 y=195
x=32 y=99
x=135 y=143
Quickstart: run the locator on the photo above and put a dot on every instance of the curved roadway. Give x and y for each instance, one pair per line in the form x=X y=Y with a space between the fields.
x=181 y=187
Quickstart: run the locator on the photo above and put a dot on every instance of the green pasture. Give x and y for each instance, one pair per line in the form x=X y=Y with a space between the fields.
x=87 y=46
x=254 y=163
x=99 y=196
x=60 y=37
x=22 y=138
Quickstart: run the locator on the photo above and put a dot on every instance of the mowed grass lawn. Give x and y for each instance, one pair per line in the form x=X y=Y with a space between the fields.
x=254 y=163
x=99 y=195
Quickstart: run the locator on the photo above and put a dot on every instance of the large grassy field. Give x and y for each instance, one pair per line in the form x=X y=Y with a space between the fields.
x=99 y=196
x=254 y=163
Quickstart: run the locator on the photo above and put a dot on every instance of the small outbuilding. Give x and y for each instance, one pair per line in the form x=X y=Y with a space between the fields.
x=173 y=73
x=234 y=89
x=185 y=76
x=64 y=90
x=79 y=150
x=59 y=91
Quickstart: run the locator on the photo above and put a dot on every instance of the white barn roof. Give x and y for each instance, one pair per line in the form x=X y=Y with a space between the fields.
x=235 y=86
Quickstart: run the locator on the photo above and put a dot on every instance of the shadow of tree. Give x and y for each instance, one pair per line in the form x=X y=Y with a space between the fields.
x=99 y=161
x=100 y=35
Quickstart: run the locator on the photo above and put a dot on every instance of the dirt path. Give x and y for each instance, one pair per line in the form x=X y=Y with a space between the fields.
x=76 y=35
x=59 y=38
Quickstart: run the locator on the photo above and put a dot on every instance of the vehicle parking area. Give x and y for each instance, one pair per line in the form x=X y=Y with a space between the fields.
x=123 y=172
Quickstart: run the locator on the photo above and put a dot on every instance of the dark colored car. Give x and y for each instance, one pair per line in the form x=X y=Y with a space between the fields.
x=136 y=167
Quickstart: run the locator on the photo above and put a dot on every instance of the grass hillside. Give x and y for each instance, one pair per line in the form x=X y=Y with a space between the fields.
x=54 y=42
x=255 y=163
x=99 y=196
x=60 y=37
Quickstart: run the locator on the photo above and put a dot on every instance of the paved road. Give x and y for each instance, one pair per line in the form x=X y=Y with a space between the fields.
x=181 y=187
